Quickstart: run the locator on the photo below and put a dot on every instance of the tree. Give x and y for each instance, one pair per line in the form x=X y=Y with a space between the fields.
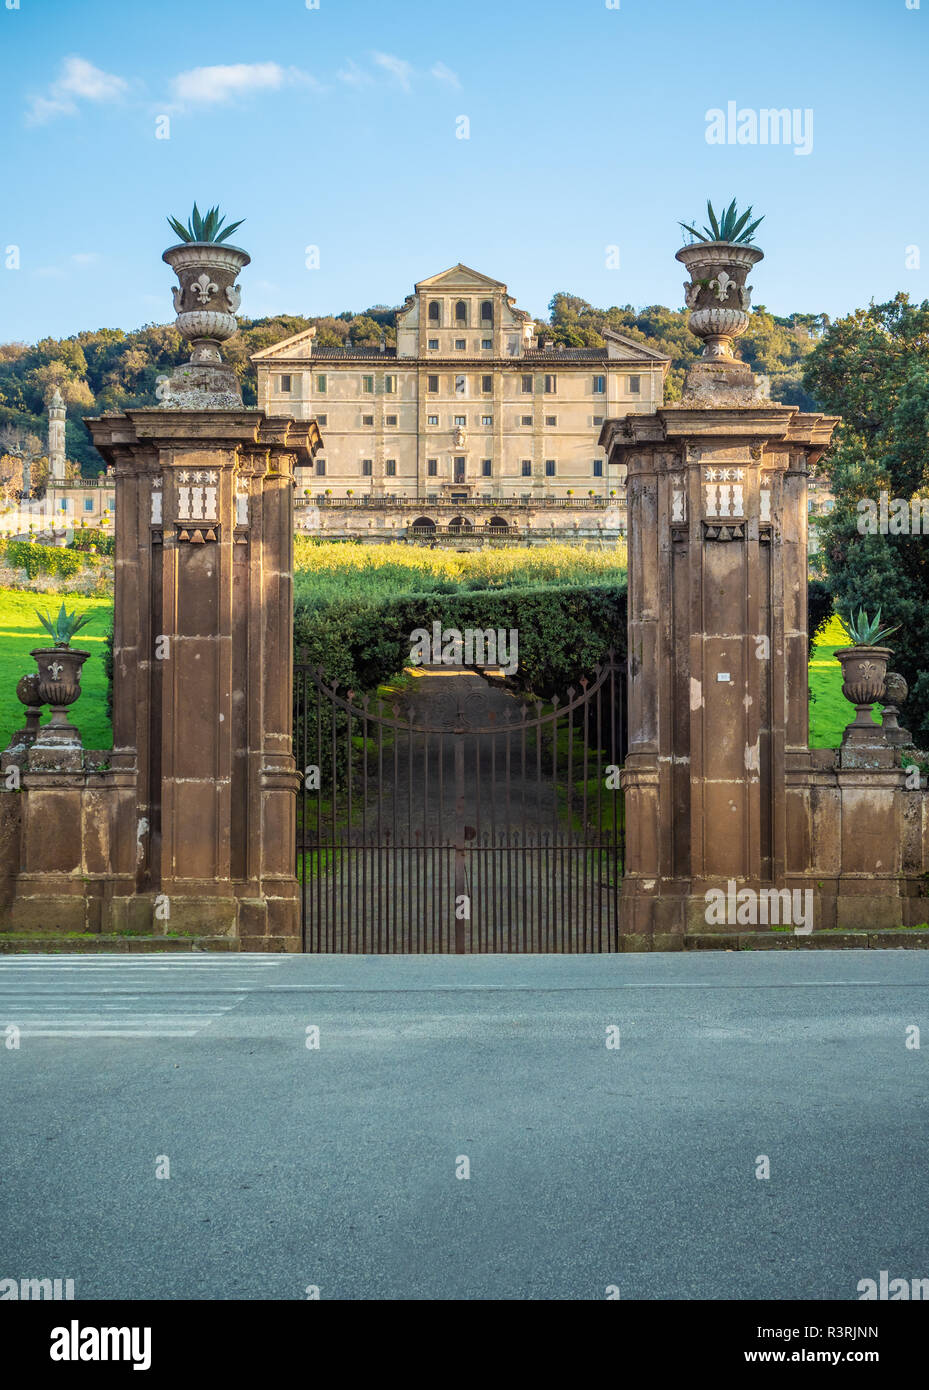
x=872 y=368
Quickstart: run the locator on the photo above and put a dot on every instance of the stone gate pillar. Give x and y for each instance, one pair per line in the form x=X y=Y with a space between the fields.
x=203 y=663
x=717 y=633
x=203 y=630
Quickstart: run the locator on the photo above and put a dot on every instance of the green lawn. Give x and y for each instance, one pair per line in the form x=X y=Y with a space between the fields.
x=830 y=711
x=21 y=631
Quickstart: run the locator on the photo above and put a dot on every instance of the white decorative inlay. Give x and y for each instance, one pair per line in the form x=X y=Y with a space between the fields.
x=678 y=504
x=724 y=499
x=195 y=502
x=765 y=501
x=156 y=508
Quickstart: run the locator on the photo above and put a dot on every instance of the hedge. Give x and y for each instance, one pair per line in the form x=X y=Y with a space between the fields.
x=563 y=631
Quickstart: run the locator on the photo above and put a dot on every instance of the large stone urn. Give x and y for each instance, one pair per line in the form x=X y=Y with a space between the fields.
x=59 y=685
x=206 y=302
x=863 y=673
x=717 y=296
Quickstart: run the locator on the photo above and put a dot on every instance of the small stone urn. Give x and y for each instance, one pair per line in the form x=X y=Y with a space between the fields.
x=892 y=697
x=863 y=673
x=27 y=692
x=206 y=303
x=59 y=685
x=717 y=296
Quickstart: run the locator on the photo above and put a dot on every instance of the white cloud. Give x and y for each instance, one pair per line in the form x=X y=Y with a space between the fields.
x=444 y=74
x=226 y=82
x=85 y=258
x=352 y=75
x=79 y=81
x=397 y=67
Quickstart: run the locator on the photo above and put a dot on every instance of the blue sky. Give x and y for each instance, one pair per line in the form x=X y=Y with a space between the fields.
x=336 y=127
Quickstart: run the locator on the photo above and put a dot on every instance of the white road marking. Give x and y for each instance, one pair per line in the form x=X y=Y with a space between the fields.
x=49 y=998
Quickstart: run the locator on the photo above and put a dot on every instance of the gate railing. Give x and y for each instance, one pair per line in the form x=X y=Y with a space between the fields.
x=482 y=831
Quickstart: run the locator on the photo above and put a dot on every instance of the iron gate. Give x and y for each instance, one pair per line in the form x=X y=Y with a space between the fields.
x=465 y=830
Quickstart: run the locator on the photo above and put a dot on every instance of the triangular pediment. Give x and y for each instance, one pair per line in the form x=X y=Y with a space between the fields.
x=460 y=277
x=300 y=345
x=630 y=350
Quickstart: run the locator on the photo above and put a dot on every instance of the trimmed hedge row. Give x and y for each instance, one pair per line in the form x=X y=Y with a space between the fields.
x=563 y=631
x=61 y=561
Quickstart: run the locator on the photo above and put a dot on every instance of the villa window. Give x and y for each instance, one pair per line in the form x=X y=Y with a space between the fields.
x=286 y=384
x=432 y=467
x=461 y=312
x=525 y=419
x=487 y=383
x=433 y=344
x=367 y=385
x=321 y=467
x=367 y=419
x=551 y=419
x=551 y=385
x=487 y=311
x=598 y=468
x=390 y=419
x=432 y=383
x=635 y=385
x=322 y=420
x=549 y=468
x=434 y=312
x=367 y=467
x=487 y=467
x=487 y=344
x=527 y=468
x=461 y=419
x=527 y=384
x=390 y=385
x=432 y=419
x=487 y=419
x=322 y=385
x=390 y=467
x=599 y=384
x=460 y=344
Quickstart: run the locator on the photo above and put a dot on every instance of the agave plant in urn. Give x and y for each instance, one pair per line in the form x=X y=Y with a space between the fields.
x=864 y=665
x=59 y=682
x=206 y=302
x=719 y=259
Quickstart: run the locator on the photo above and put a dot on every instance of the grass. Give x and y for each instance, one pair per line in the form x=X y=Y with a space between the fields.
x=21 y=631
x=830 y=712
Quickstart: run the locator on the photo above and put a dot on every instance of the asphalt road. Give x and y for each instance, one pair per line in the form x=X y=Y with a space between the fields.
x=335 y=1167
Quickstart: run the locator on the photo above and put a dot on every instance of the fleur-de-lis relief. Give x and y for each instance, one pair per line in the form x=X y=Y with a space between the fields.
x=867 y=668
x=55 y=669
x=722 y=285
x=203 y=287
x=233 y=298
x=691 y=292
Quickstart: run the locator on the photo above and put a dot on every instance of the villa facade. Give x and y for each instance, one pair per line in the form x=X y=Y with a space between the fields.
x=475 y=424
